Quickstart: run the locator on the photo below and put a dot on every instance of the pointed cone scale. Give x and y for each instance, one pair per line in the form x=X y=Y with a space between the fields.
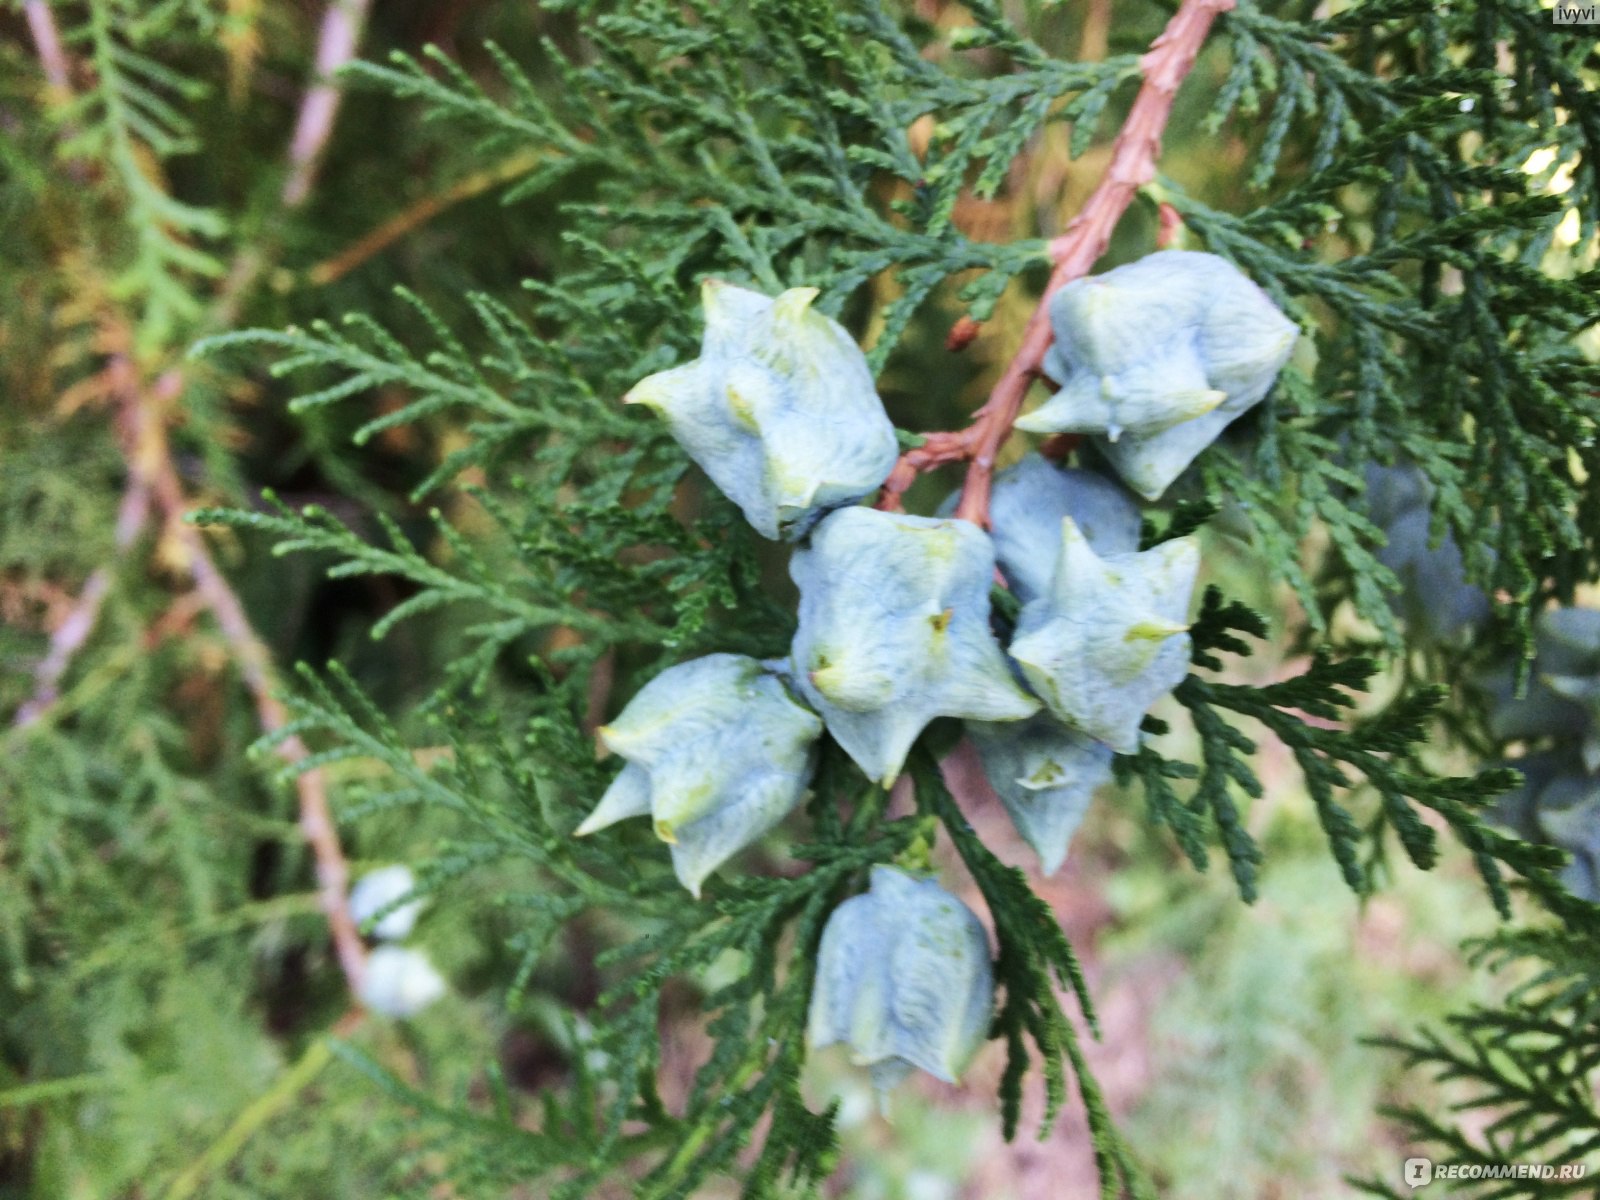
x=780 y=409
x=894 y=631
x=716 y=752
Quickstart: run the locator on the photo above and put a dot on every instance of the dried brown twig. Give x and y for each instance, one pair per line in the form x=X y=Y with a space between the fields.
x=1133 y=164
x=415 y=215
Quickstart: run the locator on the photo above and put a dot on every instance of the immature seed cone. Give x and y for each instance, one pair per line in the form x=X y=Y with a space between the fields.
x=903 y=978
x=400 y=982
x=1110 y=636
x=1559 y=804
x=1026 y=506
x=779 y=409
x=378 y=890
x=1157 y=358
x=894 y=631
x=1046 y=775
x=717 y=752
x=1435 y=599
x=1563 y=696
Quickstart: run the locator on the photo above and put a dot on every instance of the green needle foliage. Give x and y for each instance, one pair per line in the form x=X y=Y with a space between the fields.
x=1417 y=185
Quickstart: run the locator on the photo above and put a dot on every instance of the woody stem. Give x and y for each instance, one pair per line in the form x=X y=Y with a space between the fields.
x=1133 y=164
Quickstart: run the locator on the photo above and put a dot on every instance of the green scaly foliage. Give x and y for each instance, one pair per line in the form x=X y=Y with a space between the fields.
x=570 y=554
x=1530 y=1061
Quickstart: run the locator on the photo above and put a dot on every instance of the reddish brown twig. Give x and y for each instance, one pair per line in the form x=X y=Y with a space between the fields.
x=336 y=46
x=1133 y=164
x=1169 y=225
x=47 y=42
x=250 y=655
x=962 y=334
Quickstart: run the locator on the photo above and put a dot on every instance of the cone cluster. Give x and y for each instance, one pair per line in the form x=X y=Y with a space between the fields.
x=895 y=624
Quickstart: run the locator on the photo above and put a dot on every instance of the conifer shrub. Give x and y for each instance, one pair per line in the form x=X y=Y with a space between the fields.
x=663 y=495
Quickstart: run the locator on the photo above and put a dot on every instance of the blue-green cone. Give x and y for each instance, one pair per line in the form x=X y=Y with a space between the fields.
x=1558 y=804
x=1569 y=817
x=1046 y=775
x=1435 y=599
x=1026 y=507
x=717 y=753
x=1157 y=357
x=779 y=409
x=1563 y=696
x=894 y=631
x=1110 y=636
x=903 y=978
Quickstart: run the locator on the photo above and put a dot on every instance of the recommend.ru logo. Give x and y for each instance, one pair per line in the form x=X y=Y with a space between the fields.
x=1419 y=1172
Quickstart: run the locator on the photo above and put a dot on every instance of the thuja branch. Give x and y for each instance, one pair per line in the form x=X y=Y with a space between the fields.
x=1133 y=164
x=153 y=481
x=133 y=514
x=153 y=457
x=154 y=488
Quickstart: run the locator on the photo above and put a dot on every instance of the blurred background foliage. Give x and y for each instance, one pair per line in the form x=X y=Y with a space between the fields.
x=166 y=983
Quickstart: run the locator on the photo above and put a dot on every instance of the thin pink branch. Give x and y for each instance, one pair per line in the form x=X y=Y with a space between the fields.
x=132 y=516
x=254 y=662
x=342 y=25
x=336 y=46
x=47 y=41
x=153 y=481
x=74 y=631
x=1133 y=164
